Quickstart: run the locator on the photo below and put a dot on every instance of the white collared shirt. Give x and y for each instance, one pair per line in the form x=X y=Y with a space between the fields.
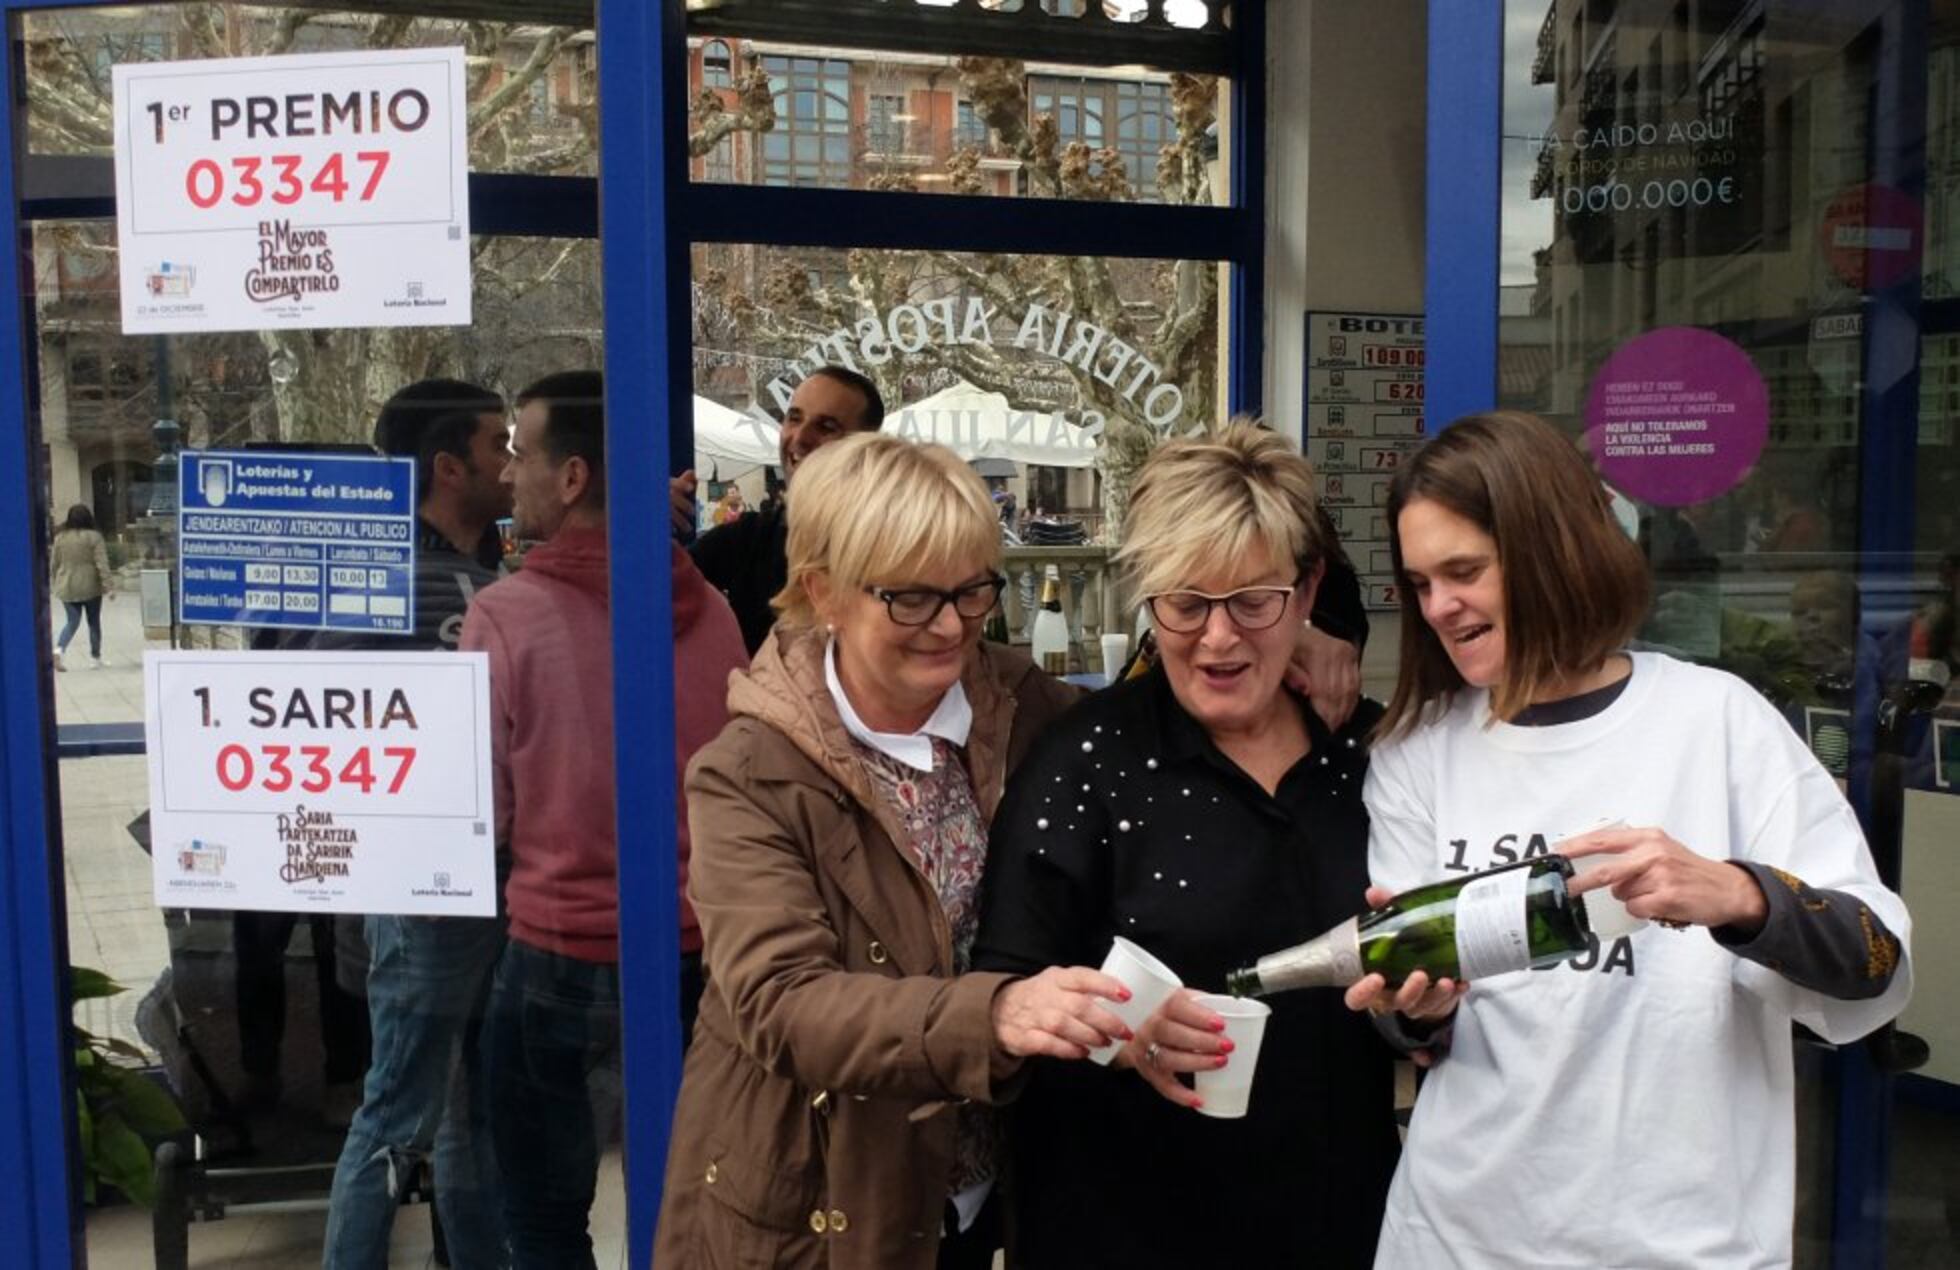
x=951 y=720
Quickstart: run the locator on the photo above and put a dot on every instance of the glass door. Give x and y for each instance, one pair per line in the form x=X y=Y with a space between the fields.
x=1748 y=207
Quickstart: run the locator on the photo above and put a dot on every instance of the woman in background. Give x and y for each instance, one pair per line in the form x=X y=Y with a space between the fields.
x=78 y=566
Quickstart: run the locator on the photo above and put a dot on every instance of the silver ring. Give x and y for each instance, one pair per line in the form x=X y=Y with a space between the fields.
x=1150 y=1052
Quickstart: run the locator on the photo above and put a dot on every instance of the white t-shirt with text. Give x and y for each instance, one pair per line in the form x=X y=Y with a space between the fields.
x=1632 y=1107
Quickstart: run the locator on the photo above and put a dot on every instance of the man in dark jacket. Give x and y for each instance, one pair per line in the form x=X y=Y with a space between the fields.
x=428 y=977
x=746 y=559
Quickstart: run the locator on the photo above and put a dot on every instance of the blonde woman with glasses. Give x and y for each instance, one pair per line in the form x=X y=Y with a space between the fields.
x=1206 y=812
x=836 y=1104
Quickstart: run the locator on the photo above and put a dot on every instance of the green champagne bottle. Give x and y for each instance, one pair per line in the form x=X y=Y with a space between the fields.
x=1509 y=918
x=995 y=631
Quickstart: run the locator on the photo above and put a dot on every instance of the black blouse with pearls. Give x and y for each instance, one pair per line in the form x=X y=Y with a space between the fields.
x=1128 y=820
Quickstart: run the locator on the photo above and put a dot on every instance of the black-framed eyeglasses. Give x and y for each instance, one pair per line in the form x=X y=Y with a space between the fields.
x=1251 y=608
x=918 y=606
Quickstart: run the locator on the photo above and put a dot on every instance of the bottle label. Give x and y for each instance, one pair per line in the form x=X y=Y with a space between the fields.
x=1491 y=938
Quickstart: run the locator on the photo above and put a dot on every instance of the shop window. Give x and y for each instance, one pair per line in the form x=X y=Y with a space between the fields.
x=1076 y=106
x=717 y=67
x=1143 y=126
x=811 y=142
x=885 y=127
x=970 y=129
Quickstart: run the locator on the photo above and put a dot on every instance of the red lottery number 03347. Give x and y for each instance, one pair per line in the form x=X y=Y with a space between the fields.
x=314 y=769
x=284 y=179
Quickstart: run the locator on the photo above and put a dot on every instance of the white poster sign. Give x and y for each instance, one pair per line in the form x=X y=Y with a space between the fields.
x=297 y=192
x=321 y=782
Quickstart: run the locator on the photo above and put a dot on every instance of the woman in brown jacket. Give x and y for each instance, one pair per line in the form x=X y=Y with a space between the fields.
x=78 y=569
x=835 y=1107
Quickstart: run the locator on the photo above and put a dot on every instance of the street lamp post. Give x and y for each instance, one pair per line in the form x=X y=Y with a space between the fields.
x=162 y=512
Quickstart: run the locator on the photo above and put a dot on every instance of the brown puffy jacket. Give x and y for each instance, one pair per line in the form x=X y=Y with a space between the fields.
x=78 y=566
x=814 y=1126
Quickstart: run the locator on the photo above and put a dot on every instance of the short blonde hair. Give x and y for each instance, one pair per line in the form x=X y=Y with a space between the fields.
x=1243 y=493
x=871 y=508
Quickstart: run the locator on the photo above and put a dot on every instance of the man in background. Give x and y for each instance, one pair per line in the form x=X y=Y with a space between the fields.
x=427 y=977
x=552 y=1030
x=747 y=559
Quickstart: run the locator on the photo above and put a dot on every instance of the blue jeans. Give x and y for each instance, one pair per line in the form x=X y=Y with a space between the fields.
x=428 y=980
x=551 y=1058
x=75 y=610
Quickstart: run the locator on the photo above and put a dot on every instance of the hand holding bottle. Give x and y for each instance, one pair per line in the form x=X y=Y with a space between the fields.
x=1182 y=1036
x=1417 y=998
x=1660 y=879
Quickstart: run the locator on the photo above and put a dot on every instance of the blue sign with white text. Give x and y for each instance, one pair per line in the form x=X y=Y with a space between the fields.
x=296 y=539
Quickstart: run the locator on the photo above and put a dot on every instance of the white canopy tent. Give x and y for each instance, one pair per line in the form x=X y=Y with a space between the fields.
x=974 y=424
x=730 y=441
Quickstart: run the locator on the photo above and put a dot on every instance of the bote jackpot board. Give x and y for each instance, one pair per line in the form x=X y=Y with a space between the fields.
x=1364 y=415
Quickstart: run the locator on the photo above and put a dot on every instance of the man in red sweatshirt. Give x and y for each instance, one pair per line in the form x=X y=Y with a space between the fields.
x=551 y=1032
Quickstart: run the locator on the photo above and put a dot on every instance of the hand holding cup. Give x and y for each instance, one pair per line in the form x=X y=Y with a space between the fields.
x=1059 y=1013
x=1183 y=1035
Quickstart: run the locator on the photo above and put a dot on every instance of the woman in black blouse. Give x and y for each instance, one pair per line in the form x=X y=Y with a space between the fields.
x=1207 y=813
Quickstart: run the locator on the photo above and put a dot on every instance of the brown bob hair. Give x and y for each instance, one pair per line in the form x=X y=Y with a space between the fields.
x=1575 y=586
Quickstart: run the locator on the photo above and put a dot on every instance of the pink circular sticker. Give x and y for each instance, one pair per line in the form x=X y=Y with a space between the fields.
x=1677 y=416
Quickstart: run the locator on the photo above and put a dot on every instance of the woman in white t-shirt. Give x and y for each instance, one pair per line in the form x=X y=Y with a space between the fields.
x=1631 y=1107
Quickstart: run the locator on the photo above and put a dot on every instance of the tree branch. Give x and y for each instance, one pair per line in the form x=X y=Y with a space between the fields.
x=519 y=81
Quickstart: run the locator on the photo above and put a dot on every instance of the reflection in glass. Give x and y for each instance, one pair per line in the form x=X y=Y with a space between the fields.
x=1761 y=171
x=1078 y=364
x=968 y=125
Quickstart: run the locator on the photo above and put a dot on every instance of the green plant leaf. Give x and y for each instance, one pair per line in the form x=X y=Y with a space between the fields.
x=117 y=1045
x=122 y=1159
x=85 y=984
x=84 y=1125
x=142 y=1104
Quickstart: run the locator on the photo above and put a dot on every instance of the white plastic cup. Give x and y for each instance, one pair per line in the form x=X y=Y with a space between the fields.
x=1607 y=916
x=1115 y=651
x=1149 y=980
x=1227 y=1090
